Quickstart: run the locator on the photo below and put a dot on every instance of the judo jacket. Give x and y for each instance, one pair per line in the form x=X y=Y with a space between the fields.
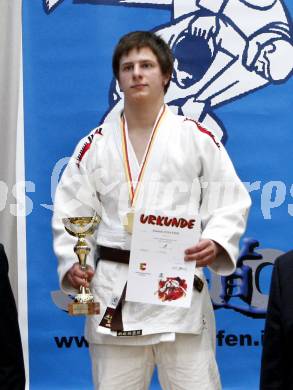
x=186 y=170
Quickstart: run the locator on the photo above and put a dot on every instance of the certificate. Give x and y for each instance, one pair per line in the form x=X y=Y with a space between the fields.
x=157 y=272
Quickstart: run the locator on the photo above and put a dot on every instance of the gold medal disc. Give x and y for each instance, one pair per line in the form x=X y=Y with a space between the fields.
x=128 y=222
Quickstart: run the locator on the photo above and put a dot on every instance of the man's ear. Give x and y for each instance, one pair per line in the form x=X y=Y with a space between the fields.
x=168 y=79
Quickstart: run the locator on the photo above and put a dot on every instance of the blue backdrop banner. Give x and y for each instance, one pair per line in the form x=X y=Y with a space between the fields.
x=233 y=62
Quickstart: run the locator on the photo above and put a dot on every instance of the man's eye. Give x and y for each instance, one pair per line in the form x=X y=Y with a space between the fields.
x=147 y=65
x=127 y=68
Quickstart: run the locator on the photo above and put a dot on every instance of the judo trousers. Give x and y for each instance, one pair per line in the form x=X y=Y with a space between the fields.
x=188 y=363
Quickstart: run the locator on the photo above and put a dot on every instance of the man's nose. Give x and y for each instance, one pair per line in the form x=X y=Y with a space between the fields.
x=136 y=71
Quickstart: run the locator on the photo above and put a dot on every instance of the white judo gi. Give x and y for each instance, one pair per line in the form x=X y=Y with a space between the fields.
x=185 y=171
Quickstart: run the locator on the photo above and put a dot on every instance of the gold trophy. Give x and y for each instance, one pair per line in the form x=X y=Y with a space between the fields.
x=82 y=227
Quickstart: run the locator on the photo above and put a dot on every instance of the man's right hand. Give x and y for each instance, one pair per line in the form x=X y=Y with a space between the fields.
x=77 y=277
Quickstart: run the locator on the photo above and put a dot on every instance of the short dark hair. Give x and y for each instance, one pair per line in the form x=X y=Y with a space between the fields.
x=139 y=40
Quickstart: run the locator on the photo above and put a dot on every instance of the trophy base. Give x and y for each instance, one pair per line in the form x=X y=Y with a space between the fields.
x=79 y=309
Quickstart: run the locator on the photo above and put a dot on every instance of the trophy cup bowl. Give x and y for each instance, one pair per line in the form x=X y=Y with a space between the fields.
x=82 y=227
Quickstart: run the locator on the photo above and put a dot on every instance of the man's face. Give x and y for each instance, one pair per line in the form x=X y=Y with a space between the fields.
x=140 y=76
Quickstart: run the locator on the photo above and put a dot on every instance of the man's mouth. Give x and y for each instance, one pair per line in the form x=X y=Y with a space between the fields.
x=138 y=86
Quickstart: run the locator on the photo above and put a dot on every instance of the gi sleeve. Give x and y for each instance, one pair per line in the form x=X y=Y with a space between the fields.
x=75 y=197
x=224 y=201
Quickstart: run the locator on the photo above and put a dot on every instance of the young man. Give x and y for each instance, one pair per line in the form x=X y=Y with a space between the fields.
x=149 y=159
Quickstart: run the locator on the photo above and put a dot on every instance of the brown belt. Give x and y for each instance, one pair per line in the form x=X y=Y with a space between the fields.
x=114 y=254
x=122 y=256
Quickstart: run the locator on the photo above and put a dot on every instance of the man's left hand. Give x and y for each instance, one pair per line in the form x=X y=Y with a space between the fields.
x=204 y=252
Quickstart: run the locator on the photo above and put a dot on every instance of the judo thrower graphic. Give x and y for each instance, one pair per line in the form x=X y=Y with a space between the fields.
x=223 y=50
x=242 y=291
x=244 y=45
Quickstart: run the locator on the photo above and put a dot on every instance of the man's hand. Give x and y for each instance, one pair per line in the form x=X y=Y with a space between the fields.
x=77 y=277
x=204 y=252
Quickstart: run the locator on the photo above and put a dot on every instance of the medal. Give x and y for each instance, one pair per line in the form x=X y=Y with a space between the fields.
x=128 y=219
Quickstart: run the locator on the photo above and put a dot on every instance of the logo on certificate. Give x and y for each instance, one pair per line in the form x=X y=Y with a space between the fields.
x=171 y=288
x=142 y=266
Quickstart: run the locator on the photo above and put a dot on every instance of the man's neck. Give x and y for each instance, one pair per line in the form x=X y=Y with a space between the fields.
x=140 y=122
x=141 y=118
